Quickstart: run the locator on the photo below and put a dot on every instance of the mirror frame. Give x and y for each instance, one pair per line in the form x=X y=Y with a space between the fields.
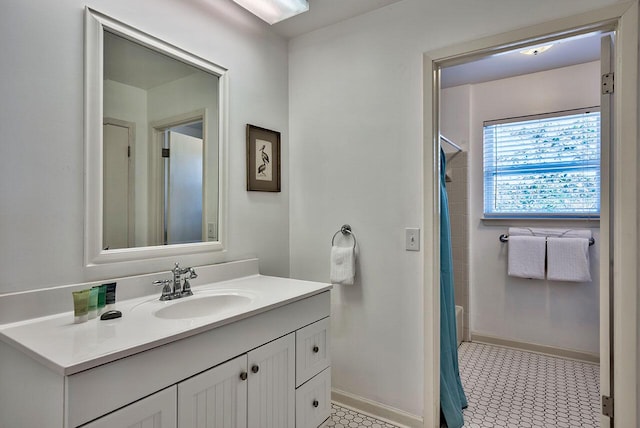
x=95 y=25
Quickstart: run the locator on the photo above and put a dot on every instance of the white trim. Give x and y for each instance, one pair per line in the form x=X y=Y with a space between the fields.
x=625 y=15
x=625 y=218
x=377 y=410
x=431 y=261
x=586 y=357
x=606 y=144
x=549 y=115
x=136 y=260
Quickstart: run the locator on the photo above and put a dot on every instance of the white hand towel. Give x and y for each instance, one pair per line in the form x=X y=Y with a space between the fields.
x=568 y=259
x=343 y=265
x=526 y=256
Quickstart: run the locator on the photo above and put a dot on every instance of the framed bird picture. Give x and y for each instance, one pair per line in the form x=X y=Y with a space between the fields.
x=263 y=159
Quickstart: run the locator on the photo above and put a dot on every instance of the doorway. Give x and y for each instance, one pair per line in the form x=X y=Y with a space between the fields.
x=183 y=183
x=434 y=62
x=522 y=143
x=177 y=181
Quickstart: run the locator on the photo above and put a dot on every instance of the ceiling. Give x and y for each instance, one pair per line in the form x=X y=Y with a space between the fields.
x=563 y=53
x=135 y=65
x=572 y=51
x=326 y=12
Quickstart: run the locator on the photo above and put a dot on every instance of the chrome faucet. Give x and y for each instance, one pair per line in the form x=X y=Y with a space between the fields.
x=177 y=274
x=173 y=289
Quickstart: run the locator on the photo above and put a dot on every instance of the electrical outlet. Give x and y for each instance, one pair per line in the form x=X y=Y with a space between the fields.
x=412 y=239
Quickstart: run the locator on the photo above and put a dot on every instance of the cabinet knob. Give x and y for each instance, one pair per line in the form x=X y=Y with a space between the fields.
x=315 y=349
x=255 y=368
x=315 y=403
x=243 y=375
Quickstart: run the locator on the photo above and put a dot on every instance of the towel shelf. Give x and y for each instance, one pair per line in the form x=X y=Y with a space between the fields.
x=345 y=230
x=505 y=238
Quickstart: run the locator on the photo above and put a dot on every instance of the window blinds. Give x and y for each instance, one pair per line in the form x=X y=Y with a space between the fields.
x=543 y=166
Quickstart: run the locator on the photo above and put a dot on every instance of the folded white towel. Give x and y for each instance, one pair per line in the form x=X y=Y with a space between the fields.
x=568 y=259
x=526 y=256
x=343 y=266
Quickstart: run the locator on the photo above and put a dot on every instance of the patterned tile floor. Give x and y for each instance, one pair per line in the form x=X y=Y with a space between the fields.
x=514 y=389
x=511 y=388
x=344 y=417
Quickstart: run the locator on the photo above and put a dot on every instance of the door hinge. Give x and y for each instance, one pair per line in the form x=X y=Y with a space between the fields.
x=607 y=406
x=165 y=153
x=607 y=83
x=128 y=151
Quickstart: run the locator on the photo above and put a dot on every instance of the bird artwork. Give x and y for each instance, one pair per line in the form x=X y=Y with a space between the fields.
x=265 y=161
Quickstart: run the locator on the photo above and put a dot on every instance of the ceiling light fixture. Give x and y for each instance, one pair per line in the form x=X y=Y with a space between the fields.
x=537 y=50
x=273 y=11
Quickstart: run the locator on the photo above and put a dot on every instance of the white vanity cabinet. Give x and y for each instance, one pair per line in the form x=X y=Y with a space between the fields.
x=269 y=368
x=156 y=411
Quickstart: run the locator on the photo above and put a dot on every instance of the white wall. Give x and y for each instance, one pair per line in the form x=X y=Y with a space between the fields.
x=356 y=145
x=563 y=315
x=41 y=153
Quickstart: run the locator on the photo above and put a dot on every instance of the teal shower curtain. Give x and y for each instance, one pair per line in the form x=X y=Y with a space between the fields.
x=452 y=398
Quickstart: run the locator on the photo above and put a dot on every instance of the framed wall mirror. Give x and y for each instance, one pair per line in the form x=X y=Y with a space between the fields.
x=155 y=135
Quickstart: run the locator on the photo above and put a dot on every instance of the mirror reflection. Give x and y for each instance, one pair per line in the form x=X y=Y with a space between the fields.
x=160 y=148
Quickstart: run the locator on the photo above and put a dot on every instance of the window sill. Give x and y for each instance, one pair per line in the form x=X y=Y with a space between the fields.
x=583 y=221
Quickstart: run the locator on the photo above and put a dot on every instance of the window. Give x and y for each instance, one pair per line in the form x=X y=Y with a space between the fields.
x=543 y=166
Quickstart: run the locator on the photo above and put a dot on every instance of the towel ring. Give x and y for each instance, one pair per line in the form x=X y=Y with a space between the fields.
x=345 y=230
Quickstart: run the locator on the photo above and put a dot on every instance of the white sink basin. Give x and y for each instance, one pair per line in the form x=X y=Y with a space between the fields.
x=203 y=305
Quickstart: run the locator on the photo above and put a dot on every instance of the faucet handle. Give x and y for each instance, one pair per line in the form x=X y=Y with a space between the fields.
x=166 y=289
x=192 y=273
x=186 y=287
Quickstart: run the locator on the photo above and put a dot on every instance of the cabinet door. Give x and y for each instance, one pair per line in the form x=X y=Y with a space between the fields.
x=216 y=398
x=272 y=384
x=155 y=411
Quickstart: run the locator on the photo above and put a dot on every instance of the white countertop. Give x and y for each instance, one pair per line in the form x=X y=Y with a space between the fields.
x=69 y=348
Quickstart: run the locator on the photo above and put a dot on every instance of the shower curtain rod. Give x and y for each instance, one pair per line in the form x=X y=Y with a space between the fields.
x=454 y=145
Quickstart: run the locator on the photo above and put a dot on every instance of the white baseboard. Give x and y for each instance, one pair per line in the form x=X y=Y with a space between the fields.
x=377 y=410
x=534 y=347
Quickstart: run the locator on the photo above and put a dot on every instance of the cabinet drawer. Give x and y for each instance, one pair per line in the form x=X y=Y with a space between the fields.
x=312 y=350
x=155 y=411
x=313 y=401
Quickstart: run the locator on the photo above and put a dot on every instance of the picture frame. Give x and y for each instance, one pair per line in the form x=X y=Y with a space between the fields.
x=263 y=159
